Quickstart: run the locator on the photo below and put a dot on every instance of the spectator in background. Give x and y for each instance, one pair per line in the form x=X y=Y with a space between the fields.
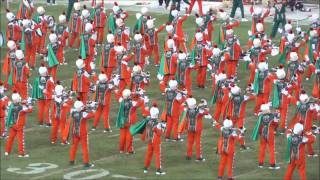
x=51 y=2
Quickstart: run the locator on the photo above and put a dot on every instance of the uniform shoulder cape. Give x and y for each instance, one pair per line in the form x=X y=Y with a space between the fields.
x=255 y=132
x=139 y=127
x=275 y=96
x=52 y=58
x=121 y=119
x=36 y=91
x=9 y=119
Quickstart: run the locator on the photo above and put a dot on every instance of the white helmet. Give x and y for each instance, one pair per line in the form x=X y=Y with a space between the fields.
x=224 y=16
x=110 y=38
x=199 y=21
x=304 y=98
x=11 y=45
x=26 y=23
x=43 y=71
x=169 y=28
x=170 y=43
x=265 y=107
x=287 y=27
x=76 y=6
x=119 y=49
x=80 y=63
x=199 y=36
x=281 y=74
x=257 y=11
x=256 y=42
x=235 y=90
x=290 y=37
x=53 y=38
x=136 y=69
x=137 y=37
x=182 y=55
x=85 y=13
x=263 y=66
x=88 y=27
x=10 y=16
x=16 y=98
x=62 y=18
x=58 y=90
x=227 y=123
x=41 y=10
x=102 y=77
x=150 y=23
x=173 y=84
x=115 y=9
x=78 y=105
x=144 y=10
x=259 y=27
x=154 y=112
x=19 y=54
x=293 y=56
x=298 y=128
x=222 y=77
x=192 y=102
x=216 y=51
x=119 y=22
x=126 y=93
x=174 y=13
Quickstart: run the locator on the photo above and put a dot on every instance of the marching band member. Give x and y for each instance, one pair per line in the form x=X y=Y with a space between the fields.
x=79 y=116
x=30 y=44
x=99 y=22
x=226 y=23
x=294 y=72
x=183 y=75
x=139 y=79
x=62 y=31
x=123 y=72
x=265 y=127
x=75 y=25
x=108 y=56
x=9 y=61
x=87 y=46
x=43 y=25
x=4 y=103
x=117 y=12
x=199 y=5
x=81 y=81
x=13 y=30
x=43 y=89
x=258 y=16
x=232 y=53
x=15 y=122
x=142 y=18
x=217 y=63
x=25 y=10
x=311 y=52
x=177 y=22
x=140 y=51
x=316 y=84
x=121 y=34
x=54 y=55
x=220 y=95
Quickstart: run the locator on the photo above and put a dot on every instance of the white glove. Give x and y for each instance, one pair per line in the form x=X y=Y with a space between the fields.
x=209 y=66
x=280 y=30
x=250 y=33
x=179 y=96
x=146 y=99
x=160 y=77
x=134 y=103
x=124 y=62
x=120 y=100
x=284 y=92
x=110 y=86
x=208 y=116
x=298 y=29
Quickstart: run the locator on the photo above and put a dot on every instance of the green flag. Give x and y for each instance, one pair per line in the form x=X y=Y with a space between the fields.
x=36 y=91
x=83 y=48
x=283 y=56
x=161 y=67
x=22 y=43
x=36 y=18
x=288 y=153
x=111 y=23
x=139 y=127
x=275 y=96
x=138 y=25
x=255 y=132
x=193 y=56
x=256 y=83
x=9 y=120
x=52 y=58
x=121 y=119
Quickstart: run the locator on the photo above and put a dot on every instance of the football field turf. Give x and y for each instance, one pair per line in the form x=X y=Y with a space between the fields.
x=103 y=147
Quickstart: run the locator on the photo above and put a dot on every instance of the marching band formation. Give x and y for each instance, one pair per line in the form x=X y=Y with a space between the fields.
x=120 y=69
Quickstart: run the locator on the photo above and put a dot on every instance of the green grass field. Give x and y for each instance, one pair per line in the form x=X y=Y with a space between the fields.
x=103 y=147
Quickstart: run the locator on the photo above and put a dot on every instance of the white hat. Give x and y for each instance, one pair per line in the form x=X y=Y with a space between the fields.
x=126 y=93
x=169 y=28
x=265 y=107
x=173 y=84
x=11 y=44
x=224 y=16
x=216 y=51
x=287 y=27
x=170 y=43
x=136 y=69
x=150 y=23
x=137 y=37
x=191 y=102
x=78 y=105
x=76 y=6
x=298 y=128
x=119 y=22
x=53 y=38
x=41 y=10
x=62 y=18
x=26 y=22
x=304 y=98
x=227 y=123
x=80 y=63
x=257 y=10
x=235 y=90
x=314 y=33
x=263 y=66
x=102 y=77
x=199 y=36
x=119 y=49
x=222 y=76
x=110 y=38
x=144 y=10
x=58 y=90
x=174 y=13
x=290 y=37
x=10 y=16
x=85 y=13
x=19 y=54
x=182 y=55
x=199 y=21
x=293 y=56
x=88 y=27
x=259 y=27
x=154 y=112
x=115 y=9
x=256 y=42
x=281 y=74
x=43 y=71
x=16 y=97
x=229 y=32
